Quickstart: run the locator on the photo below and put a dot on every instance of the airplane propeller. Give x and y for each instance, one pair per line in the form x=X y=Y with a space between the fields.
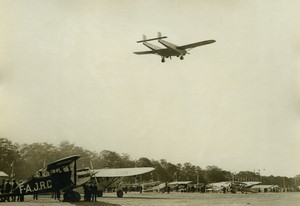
x=93 y=173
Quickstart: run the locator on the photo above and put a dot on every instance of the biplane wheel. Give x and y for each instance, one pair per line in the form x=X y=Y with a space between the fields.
x=100 y=193
x=181 y=57
x=163 y=60
x=71 y=196
x=120 y=193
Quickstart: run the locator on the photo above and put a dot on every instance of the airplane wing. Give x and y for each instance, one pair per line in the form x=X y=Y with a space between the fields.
x=157 y=187
x=201 y=43
x=161 y=52
x=250 y=184
x=122 y=172
x=180 y=183
x=62 y=162
x=145 y=52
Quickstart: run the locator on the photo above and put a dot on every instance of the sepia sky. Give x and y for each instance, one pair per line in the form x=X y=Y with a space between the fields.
x=67 y=72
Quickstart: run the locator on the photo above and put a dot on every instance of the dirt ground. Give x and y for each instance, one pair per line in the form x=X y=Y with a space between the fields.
x=175 y=199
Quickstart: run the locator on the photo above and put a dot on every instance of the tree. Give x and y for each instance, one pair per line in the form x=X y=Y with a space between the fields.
x=215 y=174
x=9 y=156
x=144 y=162
x=189 y=172
x=36 y=156
x=66 y=148
x=109 y=159
x=160 y=172
x=247 y=176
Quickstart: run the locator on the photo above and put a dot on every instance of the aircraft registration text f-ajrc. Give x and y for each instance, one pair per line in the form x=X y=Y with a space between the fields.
x=41 y=184
x=170 y=49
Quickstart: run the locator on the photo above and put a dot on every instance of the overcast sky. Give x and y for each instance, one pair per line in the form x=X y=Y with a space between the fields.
x=67 y=72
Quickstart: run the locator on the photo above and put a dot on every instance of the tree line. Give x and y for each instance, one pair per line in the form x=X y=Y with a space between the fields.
x=23 y=160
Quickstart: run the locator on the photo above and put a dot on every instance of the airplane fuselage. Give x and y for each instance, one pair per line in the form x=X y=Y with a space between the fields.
x=35 y=185
x=54 y=182
x=173 y=47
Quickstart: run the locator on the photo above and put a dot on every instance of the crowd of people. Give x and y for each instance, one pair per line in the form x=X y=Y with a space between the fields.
x=90 y=192
x=7 y=187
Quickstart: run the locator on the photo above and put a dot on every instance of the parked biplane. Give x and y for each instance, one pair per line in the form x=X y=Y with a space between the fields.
x=232 y=186
x=112 y=177
x=61 y=175
x=170 y=48
x=249 y=187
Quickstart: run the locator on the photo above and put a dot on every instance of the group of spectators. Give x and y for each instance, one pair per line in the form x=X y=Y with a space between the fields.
x=8 y=187
x=90 y=192
x=56 y=195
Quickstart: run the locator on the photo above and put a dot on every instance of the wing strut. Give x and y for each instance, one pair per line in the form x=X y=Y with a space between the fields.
x=75 y=173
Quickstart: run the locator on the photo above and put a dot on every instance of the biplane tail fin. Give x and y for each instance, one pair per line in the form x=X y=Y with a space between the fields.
x=152 y=39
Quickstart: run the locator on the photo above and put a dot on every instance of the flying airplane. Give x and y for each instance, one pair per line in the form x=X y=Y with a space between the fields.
x=170 y=49
x=111 y=177
x=57 y=176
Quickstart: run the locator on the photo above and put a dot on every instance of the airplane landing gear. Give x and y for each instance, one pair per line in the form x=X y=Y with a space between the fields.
x=163 y=60
x=100 y=193
x=120 y=193
x=71 y=196
x=181 y=57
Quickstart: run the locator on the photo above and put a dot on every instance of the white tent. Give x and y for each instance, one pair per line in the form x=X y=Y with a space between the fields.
x=3 y=174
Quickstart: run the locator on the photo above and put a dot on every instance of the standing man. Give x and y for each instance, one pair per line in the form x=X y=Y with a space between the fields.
x=14 y=186
x=35 y=196
x=94 y=192
x=2 y=187
x=7 y=189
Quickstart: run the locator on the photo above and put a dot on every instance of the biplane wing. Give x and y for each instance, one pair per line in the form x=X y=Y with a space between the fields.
x=62 y=162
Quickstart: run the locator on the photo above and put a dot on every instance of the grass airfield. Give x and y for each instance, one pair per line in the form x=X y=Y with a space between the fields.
x=183 y=199
x=175 y=199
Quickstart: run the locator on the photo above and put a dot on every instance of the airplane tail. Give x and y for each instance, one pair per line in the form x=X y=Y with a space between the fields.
x=158 y=37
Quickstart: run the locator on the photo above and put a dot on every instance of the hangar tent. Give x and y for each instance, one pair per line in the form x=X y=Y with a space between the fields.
x=3 y=175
